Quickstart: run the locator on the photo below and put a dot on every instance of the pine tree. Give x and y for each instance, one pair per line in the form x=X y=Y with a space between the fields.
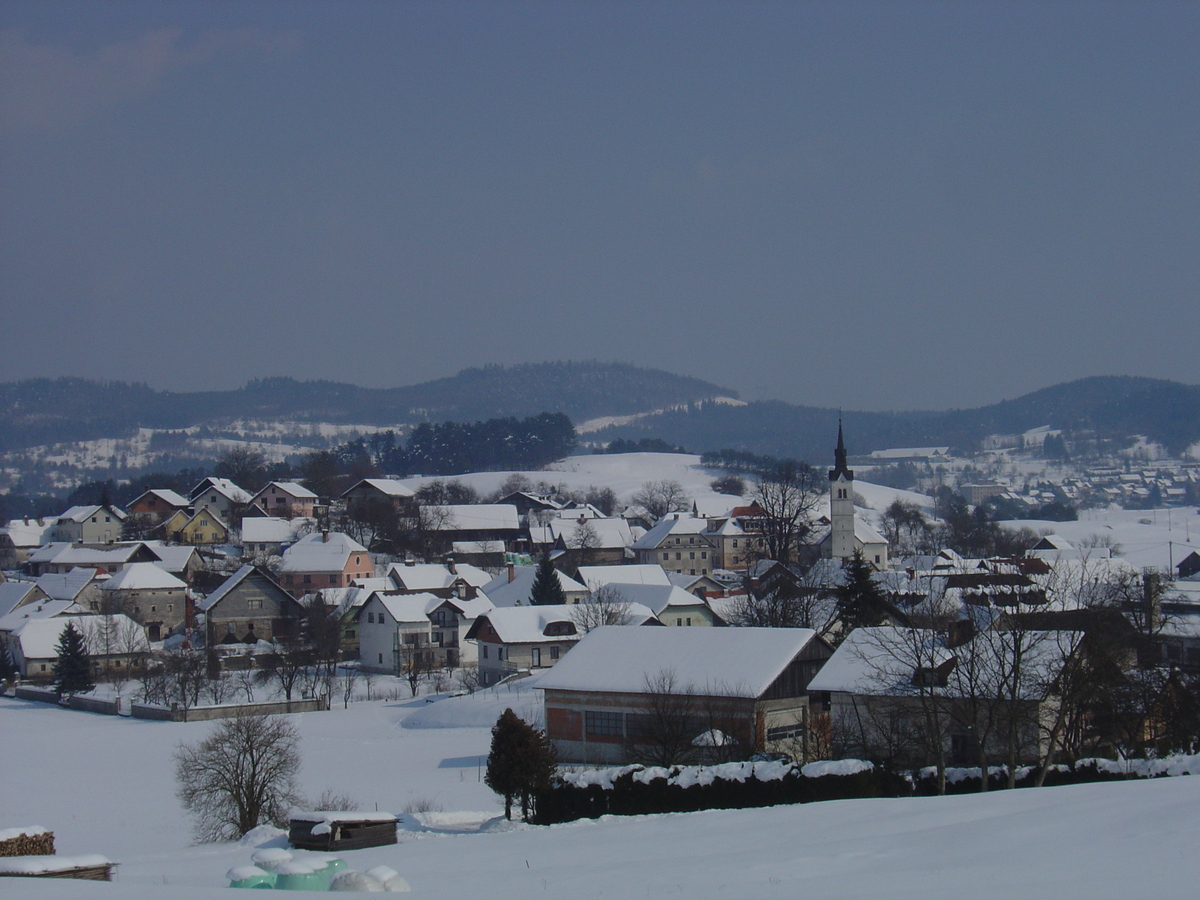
x=73 y=668
x=546 y=587
x=8 y=668
x=860 y=601
x=521 y=762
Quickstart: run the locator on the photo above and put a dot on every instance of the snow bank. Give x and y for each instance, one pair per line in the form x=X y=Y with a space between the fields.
x=835 y=767
x=7 y=834
x=687 y=776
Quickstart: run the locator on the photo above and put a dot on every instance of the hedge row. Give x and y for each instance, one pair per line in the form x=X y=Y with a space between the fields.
x=637 y=792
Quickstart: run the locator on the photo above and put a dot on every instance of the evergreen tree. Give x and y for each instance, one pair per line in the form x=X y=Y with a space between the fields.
x=521 y=762
x=8 y=668
x=547 y=589
x=73 y=668
x=860 y=602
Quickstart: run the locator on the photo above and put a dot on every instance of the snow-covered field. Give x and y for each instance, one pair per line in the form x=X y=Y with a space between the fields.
x=1147 y=537
x=105 y=785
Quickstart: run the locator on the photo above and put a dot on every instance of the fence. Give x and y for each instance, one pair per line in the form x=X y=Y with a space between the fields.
x=168 y=714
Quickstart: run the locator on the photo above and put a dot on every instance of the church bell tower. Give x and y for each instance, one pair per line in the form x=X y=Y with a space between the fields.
x=841 y=502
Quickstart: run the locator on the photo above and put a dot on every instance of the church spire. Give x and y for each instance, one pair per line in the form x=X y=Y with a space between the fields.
x=839 y=458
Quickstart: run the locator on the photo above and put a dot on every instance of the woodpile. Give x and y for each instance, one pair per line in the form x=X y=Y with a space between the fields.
x=35 y=842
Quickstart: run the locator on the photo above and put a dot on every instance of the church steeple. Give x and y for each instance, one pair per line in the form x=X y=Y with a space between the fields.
x=839 y=459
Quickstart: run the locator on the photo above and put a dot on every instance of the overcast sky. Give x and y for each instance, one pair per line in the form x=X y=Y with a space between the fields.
x=867 y=205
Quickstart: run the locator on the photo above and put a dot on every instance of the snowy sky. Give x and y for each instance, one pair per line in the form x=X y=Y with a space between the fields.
x=976 y=200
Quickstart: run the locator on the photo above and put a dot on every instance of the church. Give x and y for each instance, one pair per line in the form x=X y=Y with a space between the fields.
x=849 y=533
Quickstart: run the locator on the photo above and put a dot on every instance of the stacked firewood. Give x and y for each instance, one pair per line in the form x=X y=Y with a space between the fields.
x=30 y=842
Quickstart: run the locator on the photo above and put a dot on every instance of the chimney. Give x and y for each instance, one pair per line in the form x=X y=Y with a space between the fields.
x=324 y=537
x=450 y=565
x=410 y=561
x=1151 y=599
x=512 y=573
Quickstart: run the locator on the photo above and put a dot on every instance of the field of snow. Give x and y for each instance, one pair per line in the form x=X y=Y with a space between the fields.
x=105 y=785
x=1147 y=537
x=625 y=473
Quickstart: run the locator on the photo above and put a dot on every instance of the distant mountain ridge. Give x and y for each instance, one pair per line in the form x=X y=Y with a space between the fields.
x=678 y=409
x=46 y=411
x=1107 y=407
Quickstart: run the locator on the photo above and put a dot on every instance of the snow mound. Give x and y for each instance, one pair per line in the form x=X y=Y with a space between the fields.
x=835 y=767
x=263 y=836
x=480 y=709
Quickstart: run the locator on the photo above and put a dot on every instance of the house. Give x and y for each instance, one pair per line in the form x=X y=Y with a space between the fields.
x=250 y=606
x=738 y=689
x=324 y=559
x=514 y=586
x=149 y=595
x=157 y=505
x=14 y=594
x=595 y=577
x=679 y=543
x=23 y=536
x=1189 y=565
x=181 y=561
x=220 y=495
x=80 y=585
x=61 y=557
x=474 y=522
x=586 y=540
x=448 y=580
x=99 y=524
x=883 y=682
x=518 y=638
x=670 y=604
x=394 y=631
x=205 y=528
x=370 y=491
x=265 y=536
x=34 y=644
x=285 y=500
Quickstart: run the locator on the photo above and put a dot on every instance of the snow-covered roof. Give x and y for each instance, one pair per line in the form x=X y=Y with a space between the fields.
x=434 y=576
x=291 y=488
x=320 y=552
x=655 y=597
x=13 y=593
x=597 y=576
x=473 y=517
x=470 y=609
x=68 y=585
x=715 y=506
x=389 y=486
x=172 y=557
x=503 y=592
x=734 y=662
x=671 y=524
x=410 y=607
x=222 y=486
x=26 y=533
x=143 y=577
x=274 y=530
x=63 y=553
x=83 y=513
x=528 y=624
x=168 y=496
x=609 y=533
x=46 y=609
x=882 y=661
x=38 y=638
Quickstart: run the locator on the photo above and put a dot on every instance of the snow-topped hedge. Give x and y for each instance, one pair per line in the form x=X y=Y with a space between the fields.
x=638 y=790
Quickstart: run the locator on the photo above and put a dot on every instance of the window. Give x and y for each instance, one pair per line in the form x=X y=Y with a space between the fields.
x=333 y=579
x=370 y=618
x=554 y=652
x=170 y=607
x=692 y=555
x=253 y=603
x=666 y=556
x=784 y=732
x=704 y=555
x=485 y=651
x=679 y=556
x=603 y=723
x=679 y=621
x=308 y=579
x=153 y=608
x=381 y=657
x=877 y=558
x=689 y=621
x=735 y=543
x=537 y=657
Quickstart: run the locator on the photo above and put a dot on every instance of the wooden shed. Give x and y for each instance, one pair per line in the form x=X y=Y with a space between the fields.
x=331 y=830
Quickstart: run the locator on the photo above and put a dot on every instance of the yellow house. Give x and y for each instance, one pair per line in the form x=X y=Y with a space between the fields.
x=172 y=529
x=204 y=528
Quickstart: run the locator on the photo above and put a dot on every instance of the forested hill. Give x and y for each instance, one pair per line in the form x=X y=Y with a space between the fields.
x=1103 y=408
x=43 y=411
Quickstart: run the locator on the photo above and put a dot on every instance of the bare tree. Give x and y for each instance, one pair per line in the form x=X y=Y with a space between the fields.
x=244 y=466
x=241 y=776
x=584 y=542
x=607 y=605
x=469 y=678
x=788 y=493
x=661 y=497
x=349 y=682
x=415 y=663
x=663 y=734
x=799 y=601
